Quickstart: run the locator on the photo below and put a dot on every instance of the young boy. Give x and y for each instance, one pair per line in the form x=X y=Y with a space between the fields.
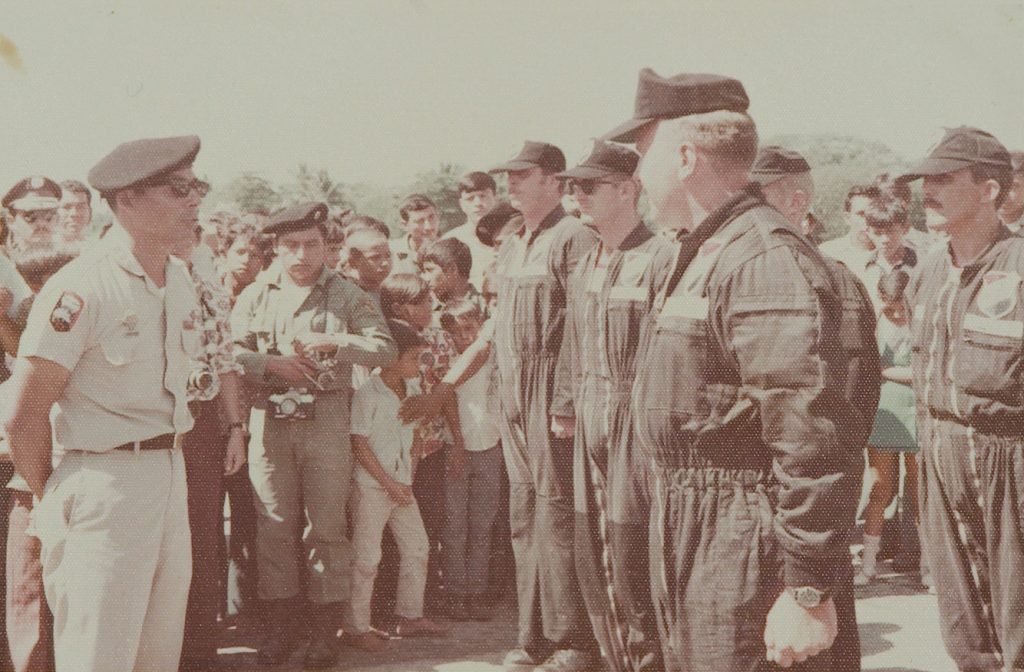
x=382 y=494
x=473 y=488
x=447 y=265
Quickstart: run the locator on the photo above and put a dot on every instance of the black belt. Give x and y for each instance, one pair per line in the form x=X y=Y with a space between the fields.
x=162 y=442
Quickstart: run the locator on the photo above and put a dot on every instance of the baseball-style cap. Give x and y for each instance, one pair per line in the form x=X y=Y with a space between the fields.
x=534 y=154
x=658 y=97
x=962 y=147
x=605 y=159
x=774 y=163
x=133 y=162
x=298 y=218
x=33 y=193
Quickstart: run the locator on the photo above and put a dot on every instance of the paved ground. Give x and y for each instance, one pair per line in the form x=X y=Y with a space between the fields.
x=898 y=628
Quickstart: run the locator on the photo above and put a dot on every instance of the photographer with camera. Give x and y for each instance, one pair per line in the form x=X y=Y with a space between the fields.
x=299 y=329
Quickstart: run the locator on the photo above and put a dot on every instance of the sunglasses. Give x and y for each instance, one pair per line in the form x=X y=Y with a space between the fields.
x=180 y=186
x=586 y=186
x=33 y=216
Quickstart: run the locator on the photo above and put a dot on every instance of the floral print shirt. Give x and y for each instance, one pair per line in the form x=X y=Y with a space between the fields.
x=217 y=355
x=435 y=361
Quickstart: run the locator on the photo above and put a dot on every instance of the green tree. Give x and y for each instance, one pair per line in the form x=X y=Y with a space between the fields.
x=253 y=193
x=440 y=186
x=316 y=185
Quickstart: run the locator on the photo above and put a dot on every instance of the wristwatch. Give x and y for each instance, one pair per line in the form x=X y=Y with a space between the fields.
x=807 y=597
x=239 y=425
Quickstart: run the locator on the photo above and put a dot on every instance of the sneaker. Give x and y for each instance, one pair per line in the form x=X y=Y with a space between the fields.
x=519 y=660
x=571 y=660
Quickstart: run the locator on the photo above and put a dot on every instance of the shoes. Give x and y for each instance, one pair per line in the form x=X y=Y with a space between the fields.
x=479 y=608
x=519 y=660
x=456 y=608
x=373 y=641
x=571 y=660
x=419 y=627
x=280 y=640
x=322 y=651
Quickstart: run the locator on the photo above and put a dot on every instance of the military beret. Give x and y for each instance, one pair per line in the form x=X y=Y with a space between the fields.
x=298 y=218
x=962 y=147
x=33 y=193
x=133 y=162
x=774 y=163
x=605 y=159
x=534 y=154
x=680 y=96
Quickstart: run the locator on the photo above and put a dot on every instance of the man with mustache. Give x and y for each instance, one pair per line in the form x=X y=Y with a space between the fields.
x=967 y=327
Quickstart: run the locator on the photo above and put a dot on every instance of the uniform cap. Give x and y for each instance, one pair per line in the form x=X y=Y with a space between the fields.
x=962 y=147
x=658 y=97
x=298 y=218
x=33 y=193
x=606 y=159
x=133 y=162
x=534 y=154
x=774 y=163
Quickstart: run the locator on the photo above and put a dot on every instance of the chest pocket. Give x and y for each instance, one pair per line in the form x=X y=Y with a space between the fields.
x=988 y=360
x=120 y=349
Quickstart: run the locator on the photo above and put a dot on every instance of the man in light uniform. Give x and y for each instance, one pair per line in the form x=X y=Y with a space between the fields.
x=299 y=329
x=109 y=340
x=533 y=269
x=967 y=325
x=608 y=299
x=740 y=400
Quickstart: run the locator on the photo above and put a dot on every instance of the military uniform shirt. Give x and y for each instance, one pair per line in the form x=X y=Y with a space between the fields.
x=126 y=342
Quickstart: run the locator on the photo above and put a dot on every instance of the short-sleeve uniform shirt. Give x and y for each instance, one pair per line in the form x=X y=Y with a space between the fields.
x=126 y=342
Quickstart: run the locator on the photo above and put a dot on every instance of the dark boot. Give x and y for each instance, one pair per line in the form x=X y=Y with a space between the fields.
x=280 y=640
x=323 y=642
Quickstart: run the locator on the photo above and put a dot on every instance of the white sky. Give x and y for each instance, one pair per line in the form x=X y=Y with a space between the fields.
x=377 y=91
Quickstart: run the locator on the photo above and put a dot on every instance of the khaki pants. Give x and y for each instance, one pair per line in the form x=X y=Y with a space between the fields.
x=300 y=472
x=373 y=509
x=117 y=559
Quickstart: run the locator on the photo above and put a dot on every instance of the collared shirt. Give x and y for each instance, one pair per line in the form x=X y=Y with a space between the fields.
x=435 y=361
x=483 y=255
x=217 y=353
x=375 y=416
x=875 y=267
x=126 y=343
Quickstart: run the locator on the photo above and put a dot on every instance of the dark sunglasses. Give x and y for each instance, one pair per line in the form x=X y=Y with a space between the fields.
x=180 y=186
x=33 y=216
x=586 y=186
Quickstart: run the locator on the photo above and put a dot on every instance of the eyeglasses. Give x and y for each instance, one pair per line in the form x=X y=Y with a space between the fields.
x=586 y=186
x=33 y=216
x=181 y=186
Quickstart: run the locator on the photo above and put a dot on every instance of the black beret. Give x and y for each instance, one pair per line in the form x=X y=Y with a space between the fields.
x=298 y=218
x=133 y=162
x=774 y=163
x=680 y=96
x=491 y=224
x=962 y=147
x=606 y=159
x=33 y=193
x=533 y=154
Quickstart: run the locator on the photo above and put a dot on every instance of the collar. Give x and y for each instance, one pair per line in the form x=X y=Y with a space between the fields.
x=995 y=247
x=119 y=243
x=637 y=237
x=552 y=218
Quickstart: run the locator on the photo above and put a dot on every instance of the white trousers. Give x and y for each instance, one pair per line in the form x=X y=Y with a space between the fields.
x=117 y=560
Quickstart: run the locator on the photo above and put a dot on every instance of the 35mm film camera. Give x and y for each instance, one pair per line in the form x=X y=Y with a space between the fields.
x=293 y=404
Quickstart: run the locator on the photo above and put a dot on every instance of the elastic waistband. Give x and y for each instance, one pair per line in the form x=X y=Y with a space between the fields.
x=711 y=477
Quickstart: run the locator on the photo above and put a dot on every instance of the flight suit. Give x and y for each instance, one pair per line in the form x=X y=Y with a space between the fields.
x=300 y=469
x=609 y=296
x=533 y=269
x=745 y=406
x=968 y=331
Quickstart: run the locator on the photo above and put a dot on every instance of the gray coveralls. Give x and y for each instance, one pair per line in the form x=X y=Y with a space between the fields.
x=968 y=331
x=608 y=299
x=301 y=469
x=533 y=269
x=745 y=406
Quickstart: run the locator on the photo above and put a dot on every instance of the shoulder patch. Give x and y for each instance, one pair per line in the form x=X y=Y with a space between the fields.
x=65 y=313
x=998 y=295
